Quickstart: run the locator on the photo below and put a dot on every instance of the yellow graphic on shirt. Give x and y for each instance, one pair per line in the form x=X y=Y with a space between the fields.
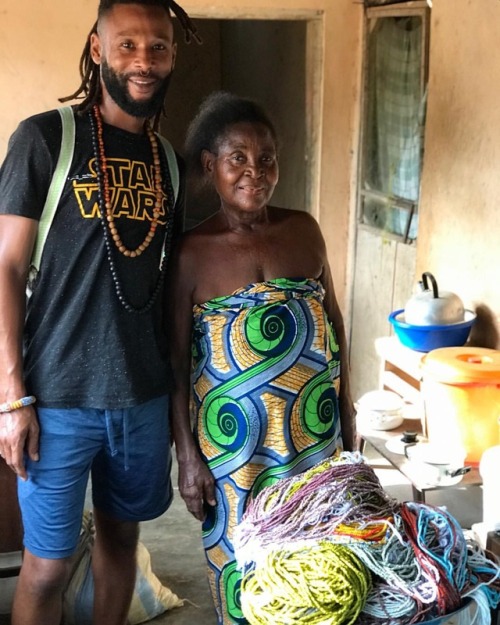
x=131 y=187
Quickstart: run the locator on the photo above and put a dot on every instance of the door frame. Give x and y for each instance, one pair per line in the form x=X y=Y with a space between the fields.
x=314 y=66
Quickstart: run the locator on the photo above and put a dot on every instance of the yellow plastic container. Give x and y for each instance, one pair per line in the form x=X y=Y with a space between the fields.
x=461 y=391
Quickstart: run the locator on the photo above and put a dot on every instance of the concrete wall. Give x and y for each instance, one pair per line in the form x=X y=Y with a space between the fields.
x=459 y=234
x=39 y=59
x=460 y=218
x=40 y=48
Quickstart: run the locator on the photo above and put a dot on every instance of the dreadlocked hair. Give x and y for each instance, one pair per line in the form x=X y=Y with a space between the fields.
x=90 y=90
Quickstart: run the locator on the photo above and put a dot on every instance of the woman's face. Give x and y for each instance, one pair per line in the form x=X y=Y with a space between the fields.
x=245 y=169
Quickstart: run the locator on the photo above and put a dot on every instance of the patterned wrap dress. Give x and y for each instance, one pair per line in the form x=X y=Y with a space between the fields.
x=265 y=387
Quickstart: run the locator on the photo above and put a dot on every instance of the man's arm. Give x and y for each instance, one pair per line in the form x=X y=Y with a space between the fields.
x=19 y=428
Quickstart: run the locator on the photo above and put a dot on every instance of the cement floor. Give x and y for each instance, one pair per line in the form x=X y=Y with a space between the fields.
x=178 y=560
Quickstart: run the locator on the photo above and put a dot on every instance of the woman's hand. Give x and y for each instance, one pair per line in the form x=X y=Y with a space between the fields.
x=196 y=486
x=348 y=422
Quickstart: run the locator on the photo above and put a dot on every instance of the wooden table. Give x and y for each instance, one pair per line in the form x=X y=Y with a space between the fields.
x=378 y=438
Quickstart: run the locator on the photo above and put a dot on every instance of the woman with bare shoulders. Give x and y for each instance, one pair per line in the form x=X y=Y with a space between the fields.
x=258 y=346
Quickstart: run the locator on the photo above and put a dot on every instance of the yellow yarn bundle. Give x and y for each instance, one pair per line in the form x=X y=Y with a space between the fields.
x=320 y=584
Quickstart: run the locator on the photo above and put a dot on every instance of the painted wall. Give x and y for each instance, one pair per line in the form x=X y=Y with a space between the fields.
x=39 y=56
x=460 y=218
x=39 y=59
x=459 y=234
x=459 y=228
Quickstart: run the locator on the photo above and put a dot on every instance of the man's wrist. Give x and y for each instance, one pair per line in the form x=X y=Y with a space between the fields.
x=10 y=406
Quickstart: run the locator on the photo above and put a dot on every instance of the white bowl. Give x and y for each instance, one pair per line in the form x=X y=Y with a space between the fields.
x=380 y=410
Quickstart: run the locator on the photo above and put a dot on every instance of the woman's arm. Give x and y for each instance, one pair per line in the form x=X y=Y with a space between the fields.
x=19 y=428
x=346 y=405
x=196 y=483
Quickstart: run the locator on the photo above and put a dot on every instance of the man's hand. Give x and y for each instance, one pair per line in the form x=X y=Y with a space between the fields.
x=19 y=433
x=196 y=486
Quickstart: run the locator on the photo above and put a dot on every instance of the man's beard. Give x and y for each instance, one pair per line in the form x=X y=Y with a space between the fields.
x=117 y=86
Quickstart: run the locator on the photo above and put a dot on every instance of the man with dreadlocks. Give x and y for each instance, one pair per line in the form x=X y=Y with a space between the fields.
x=89 y=346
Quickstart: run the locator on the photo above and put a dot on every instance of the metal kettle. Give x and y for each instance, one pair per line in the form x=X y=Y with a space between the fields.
x=429 y=307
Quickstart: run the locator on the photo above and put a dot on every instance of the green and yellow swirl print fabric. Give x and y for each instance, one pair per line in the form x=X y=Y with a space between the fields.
x=265 y=385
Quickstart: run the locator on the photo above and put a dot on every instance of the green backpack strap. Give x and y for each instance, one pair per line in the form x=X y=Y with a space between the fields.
x=57 y=184
x=173 y=168
x=172 y=164
x=61 y=173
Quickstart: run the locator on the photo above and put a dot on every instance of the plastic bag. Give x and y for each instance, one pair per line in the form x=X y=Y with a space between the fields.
x=150 y=599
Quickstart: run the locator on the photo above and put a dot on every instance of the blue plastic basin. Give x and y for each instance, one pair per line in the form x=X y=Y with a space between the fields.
x=427 y=338
x=451 y=618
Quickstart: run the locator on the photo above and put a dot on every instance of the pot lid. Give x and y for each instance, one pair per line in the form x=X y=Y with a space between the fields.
x=430 y=453
x=462 y=365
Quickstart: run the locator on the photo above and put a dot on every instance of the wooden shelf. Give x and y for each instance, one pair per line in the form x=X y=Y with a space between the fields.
x=400 y=371
x=10 y=564
x=378 y=439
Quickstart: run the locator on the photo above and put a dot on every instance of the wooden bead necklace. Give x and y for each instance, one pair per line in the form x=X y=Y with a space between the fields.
x=107 y=197
x=107 y=219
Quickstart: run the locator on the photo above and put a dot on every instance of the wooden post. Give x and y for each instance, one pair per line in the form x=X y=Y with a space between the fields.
x=11 y=529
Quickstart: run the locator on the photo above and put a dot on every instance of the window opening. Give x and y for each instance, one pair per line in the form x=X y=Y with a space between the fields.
x=394 y=117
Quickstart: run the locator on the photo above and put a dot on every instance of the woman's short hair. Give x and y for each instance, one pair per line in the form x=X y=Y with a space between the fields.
x=217 y=113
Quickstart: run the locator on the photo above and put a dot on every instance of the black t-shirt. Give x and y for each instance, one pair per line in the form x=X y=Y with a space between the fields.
x=82 y=348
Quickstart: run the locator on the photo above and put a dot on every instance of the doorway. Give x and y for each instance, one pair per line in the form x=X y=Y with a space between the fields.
x=277 y=62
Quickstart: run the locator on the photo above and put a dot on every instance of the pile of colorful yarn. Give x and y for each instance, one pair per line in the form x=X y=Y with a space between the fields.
x=331 y=547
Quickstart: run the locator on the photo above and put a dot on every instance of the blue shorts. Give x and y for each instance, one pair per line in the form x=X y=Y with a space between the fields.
x=128 y=454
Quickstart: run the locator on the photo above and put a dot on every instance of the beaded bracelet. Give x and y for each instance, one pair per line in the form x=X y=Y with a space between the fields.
x=19 y=403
